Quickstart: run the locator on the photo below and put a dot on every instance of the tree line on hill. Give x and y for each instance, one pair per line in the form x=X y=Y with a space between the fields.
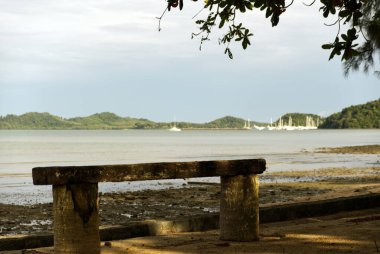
x=107 y=121
x=359 y=116
x=366 y=116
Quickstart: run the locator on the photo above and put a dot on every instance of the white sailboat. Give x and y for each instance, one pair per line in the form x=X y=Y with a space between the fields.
x=260 y=128
x=247 y=125
x=174 y=127
x=271 y=127
x=290 y=126
x=309 y=125
x=280 y=125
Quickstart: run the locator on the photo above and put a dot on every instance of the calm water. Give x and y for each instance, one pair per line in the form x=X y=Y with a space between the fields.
x=20 y=151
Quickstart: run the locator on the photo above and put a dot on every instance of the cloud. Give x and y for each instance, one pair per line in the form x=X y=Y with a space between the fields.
x=86 y=32
x=91 y=49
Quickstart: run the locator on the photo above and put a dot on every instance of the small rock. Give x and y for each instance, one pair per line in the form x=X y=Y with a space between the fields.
x=129 y=197
x=107 y=244
x=222 y=244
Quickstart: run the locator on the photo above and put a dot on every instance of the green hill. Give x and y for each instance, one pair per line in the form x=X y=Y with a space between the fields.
x=359 y=116
x=46 y=121
x=34 y=120
x=107 y=121
x=229 y=122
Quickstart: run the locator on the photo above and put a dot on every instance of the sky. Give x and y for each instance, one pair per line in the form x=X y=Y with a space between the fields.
x=76 y=58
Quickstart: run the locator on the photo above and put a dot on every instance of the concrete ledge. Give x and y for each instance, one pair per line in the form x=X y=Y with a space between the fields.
x=318 y=208
x=208 y=222
x=26 y=242
x=159 y=227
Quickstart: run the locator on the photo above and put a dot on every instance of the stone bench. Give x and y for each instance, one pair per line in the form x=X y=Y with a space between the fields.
x=76 y=200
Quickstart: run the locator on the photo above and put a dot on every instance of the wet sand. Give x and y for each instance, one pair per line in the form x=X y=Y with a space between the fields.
x=348 y=232
x=353 y=232
x=199 y=199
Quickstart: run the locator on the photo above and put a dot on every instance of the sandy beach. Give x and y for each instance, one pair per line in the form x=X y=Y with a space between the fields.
x=199 y=198
x=348 y=232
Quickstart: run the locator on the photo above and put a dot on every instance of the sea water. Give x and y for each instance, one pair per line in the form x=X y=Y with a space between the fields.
x=21 y=150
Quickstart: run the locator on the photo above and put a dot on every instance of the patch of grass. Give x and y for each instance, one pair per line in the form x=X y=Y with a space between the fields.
x=326 y=172
x=367 y=149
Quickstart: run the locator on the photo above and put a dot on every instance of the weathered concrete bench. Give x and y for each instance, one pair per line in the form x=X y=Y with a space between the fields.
x=76 y=200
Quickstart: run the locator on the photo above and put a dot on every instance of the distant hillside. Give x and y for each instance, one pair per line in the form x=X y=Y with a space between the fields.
x=46 y=121
x=299 y=119
x=107 y=121
x=359 y=116
x=228 y=122
x=35 y=120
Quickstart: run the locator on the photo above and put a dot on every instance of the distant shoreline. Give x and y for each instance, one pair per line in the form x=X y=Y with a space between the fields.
x=367 y=149
x=135 y=129
x=185 y=129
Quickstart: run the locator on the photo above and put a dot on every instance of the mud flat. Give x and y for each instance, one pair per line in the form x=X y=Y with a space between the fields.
x=345 y=232
x=200 y=199
x=368 y=149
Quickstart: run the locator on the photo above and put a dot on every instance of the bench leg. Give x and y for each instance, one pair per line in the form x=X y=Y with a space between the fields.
x=239 y=208
x=76 y=218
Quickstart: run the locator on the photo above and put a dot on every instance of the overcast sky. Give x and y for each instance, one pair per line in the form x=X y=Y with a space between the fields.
x=75 y=58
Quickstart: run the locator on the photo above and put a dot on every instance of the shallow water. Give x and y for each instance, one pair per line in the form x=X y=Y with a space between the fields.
x=20 y=151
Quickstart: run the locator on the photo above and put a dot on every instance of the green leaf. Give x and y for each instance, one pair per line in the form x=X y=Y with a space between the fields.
x=356 y=16
x=275 y=19
x=352 y=33
x=257 y=4
x=268 y=13
x=221 y=24
x=244 y=44
x=344 y=13
x=332 y=55
x=228 y=51
x=327 y=46
x=242 y=8
x=249 y=6
x=354 y=53
x=326 y=13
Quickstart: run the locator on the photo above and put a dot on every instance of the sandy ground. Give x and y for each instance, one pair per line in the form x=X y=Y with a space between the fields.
x=355 y=232
x=199 y=199
x=350 y=232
